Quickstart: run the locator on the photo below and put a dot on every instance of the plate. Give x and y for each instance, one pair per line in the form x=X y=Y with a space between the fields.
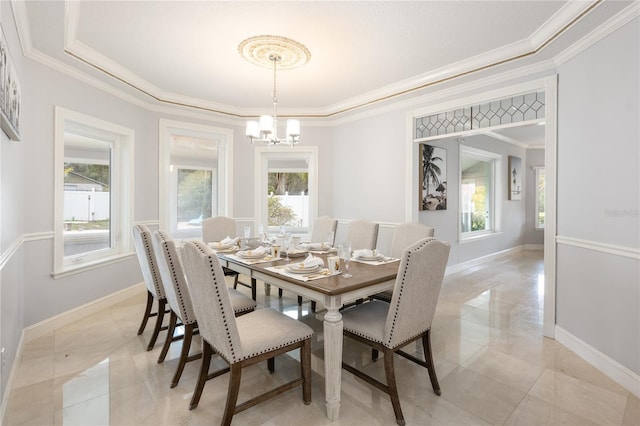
x=298 y=270
x=220 y=246
x=298 y=253
x=250 y=254
x=378 y=256
x=315 y=246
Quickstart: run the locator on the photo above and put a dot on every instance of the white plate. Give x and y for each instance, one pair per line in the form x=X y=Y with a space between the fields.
x=315 y=246
x=298 y=270
x=297 y=253
x=250 y=254
x=378 y=256
x=220 y=246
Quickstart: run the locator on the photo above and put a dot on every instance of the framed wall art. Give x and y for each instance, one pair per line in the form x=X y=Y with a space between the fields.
x=10 y=95
x=515 y=178
x=432 y=185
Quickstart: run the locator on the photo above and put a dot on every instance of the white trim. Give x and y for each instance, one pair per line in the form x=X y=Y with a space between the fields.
x=6 y=255
x=459 y=267
x=613 y=249
x=534 y=246
x=90 y=265
x=610 y=367
x=37 y=236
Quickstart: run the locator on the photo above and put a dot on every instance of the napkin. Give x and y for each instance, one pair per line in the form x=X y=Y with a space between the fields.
x=364 y=253
x=228 y=241
x=255 y=252
x=312 y=261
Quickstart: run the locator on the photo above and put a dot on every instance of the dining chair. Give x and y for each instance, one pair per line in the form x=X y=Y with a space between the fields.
x=179 y=300
x=321 y=228
x=362 y=234
x=241 y=342
x=404 y=235
x=387 y=327
x=217 y=228
x=152 y=280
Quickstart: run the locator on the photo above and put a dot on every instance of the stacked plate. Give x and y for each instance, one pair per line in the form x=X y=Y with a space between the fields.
x=299 y=268
x=374 y=257
x=220 y=246
x=315 y=246
x=251 y=254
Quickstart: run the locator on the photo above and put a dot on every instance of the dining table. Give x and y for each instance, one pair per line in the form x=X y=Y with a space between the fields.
x=331 y=289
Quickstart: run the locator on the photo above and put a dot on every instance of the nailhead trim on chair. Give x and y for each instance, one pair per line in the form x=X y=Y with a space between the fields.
x=145 y=234
x=221 y=307
x=278 y=347
x=178 y=289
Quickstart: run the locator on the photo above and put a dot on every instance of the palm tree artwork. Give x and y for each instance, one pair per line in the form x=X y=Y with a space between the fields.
x=433 y=163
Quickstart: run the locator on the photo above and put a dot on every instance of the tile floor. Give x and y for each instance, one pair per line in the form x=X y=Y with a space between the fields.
x=493 y=364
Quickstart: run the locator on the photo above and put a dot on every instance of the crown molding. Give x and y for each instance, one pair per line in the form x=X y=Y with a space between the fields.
x=368 y=104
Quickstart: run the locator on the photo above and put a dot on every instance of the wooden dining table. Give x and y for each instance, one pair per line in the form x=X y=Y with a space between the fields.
x=333 y=292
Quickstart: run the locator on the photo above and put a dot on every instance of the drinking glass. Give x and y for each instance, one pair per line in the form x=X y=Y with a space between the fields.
x=286 y=242
x=344 y=252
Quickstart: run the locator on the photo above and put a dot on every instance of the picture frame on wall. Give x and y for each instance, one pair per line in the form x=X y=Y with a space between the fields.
x=515 y=178
x=10 y=93
x=432 y=171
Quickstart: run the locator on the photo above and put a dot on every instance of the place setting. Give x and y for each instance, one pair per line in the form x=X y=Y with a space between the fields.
x=226 y=245
x=311 y=268
x=371 y=257
x=252 y=256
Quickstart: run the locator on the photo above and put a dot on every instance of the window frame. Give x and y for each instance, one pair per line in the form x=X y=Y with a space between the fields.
x=122 y=140
x=224 y=202
x=495 y=161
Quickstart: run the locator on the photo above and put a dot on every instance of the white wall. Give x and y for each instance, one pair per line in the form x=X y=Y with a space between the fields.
x=598 y=289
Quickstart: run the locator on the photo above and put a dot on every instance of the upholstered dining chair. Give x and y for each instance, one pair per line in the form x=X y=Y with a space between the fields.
x=243 y=341
x=152 y=280
x=362 y=234
x=217 y=228
x=179 y=300
x=387 y=327
x=404 y=235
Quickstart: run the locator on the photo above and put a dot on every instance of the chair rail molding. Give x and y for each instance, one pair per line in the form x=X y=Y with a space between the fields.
x=616 y=250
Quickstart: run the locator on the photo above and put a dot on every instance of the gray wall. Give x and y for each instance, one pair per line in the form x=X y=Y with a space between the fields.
x=532 y=236
x=598 y=296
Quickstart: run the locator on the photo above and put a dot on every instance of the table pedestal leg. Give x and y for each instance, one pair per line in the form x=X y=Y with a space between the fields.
x=332 y=356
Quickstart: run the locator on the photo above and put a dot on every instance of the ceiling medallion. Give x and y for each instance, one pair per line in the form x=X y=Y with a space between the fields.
x=260 y=49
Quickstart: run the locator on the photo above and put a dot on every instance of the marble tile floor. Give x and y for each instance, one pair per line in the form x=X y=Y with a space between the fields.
x=493 y=364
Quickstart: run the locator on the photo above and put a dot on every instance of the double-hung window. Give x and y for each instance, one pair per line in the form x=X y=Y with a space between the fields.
x=93 y=191
x=477 y=192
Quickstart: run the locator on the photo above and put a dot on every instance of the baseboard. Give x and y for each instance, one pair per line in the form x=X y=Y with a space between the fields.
x=459 y=267
x=534 y=246
x=614 y=370
x=50 y=324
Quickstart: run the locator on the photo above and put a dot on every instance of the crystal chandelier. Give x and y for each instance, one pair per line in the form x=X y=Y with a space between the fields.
x=273 y=52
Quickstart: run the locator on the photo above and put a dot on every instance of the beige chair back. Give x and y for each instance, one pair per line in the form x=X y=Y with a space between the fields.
x=173 y=279
x=416 y=291
x=218 y=228
x=406 y=234
x=211 y=302
x=362 y=234
x=321 y=227
x=147 y=261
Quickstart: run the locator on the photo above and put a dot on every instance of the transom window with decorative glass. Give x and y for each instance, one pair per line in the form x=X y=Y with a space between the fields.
x=477 y=191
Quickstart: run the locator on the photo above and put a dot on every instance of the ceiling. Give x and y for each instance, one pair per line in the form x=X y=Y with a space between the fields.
x=184 y=53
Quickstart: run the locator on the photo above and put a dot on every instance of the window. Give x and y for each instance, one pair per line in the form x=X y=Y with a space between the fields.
x=193 y=176
x=287 y=182
x=539 y=212
x=93 y=191
x=477 y=192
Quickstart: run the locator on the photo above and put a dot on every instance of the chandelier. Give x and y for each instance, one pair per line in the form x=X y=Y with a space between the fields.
x=276 y=52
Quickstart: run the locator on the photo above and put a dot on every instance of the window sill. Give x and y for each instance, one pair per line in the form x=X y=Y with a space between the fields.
x=69 y=270
x=474 y=238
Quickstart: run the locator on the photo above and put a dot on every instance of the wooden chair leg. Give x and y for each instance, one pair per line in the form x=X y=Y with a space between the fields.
x=313 y=306
x=305 y=367
x=173 y=318
x=207 y=351
x=279 y=292
x=374 y=354
x=299 y=300
x=232 y=393
x=391 y=385
x=235 y=281
x=147 y=313
x=426 y=347
x=254 y=285
x=271 y=364
x=162 y=303
x=184 y=353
